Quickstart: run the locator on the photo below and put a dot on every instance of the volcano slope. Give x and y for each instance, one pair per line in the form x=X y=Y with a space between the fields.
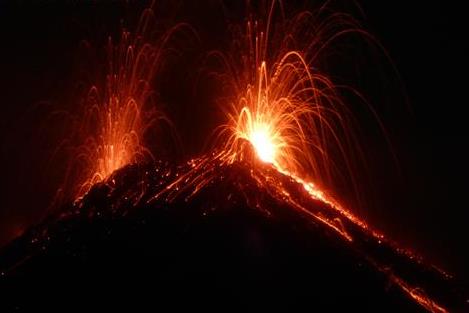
x=248 y=238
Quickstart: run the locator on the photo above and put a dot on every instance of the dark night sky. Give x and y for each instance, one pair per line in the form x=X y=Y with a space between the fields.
x=426 y=40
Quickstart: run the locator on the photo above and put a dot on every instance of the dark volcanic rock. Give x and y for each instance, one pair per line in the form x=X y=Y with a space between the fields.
x=234 y=245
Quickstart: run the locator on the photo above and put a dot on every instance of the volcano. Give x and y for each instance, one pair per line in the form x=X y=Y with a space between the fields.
x=249 y=237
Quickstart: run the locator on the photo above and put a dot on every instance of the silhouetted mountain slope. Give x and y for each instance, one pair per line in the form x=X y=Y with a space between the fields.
x=236 y=244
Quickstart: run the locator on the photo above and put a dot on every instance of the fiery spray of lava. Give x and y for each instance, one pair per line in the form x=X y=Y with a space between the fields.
x=291 y=114
x=281 y=103
x=116 y=113
x=121 y=108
